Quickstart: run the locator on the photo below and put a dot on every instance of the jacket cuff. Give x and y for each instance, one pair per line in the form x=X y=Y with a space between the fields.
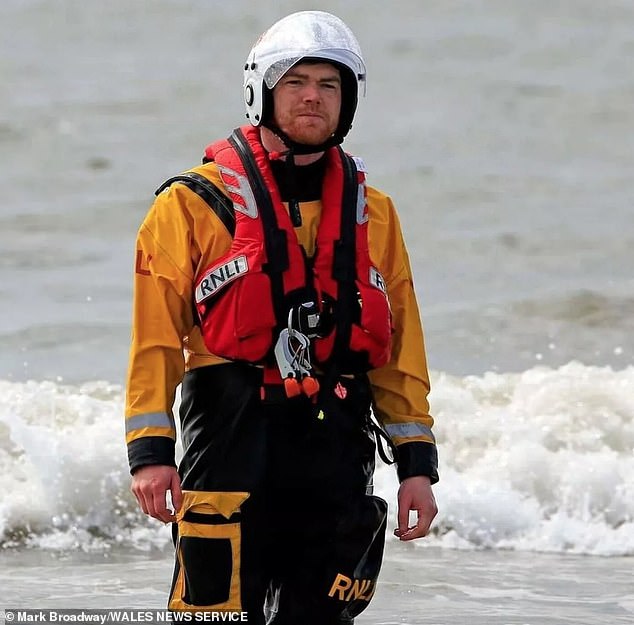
x=417 y=458
x=151 y=450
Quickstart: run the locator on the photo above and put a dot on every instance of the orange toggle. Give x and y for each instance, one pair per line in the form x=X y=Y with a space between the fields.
x=310 y=386
x=292 y=387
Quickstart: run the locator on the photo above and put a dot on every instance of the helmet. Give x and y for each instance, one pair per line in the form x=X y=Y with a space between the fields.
x=306 y=35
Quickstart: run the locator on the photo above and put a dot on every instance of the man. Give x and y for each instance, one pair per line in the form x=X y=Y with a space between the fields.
x=275 y=285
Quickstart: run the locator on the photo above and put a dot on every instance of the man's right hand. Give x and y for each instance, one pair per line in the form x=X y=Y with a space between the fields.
x=150 y=485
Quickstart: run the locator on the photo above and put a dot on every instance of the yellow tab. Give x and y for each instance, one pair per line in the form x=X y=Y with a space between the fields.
x=224 y=503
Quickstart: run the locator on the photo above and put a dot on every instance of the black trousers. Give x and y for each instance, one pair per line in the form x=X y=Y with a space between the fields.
x=278 y=518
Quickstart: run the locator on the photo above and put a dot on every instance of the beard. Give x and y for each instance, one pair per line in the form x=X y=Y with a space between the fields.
x=308 y=129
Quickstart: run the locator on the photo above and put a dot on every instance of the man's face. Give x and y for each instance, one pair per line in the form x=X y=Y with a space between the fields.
x=307 y=101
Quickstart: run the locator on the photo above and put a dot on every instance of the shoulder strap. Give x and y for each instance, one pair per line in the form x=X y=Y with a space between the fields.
x=275 y=242
x=344 y=261
x=217 y=201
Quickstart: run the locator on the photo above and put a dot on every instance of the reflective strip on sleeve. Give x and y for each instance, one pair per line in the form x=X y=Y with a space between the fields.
x=149 y=420
x=409 y=430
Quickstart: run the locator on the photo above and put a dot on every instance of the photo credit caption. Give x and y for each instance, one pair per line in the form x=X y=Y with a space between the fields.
x=133 y=617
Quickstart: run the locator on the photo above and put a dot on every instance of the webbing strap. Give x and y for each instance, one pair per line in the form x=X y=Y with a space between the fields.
x=275 y=242
x=217 y=201
x=381 y=438
x=344 y=261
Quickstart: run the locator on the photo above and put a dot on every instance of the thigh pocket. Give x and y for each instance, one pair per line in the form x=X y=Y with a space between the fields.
x=208 y=552
x=358 y=555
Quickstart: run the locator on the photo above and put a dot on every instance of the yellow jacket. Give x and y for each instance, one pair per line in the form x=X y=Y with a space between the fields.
x=180 y=236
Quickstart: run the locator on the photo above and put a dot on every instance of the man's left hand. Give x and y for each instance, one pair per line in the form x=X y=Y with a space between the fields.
x=415 y=493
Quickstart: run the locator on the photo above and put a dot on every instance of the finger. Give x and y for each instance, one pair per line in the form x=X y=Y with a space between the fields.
x=138 y=493
x=150 y=493
x=412 y=533
x=160 y=508
x=421 y=528
x=149 y=502
x=403 y=519
x=177 y=492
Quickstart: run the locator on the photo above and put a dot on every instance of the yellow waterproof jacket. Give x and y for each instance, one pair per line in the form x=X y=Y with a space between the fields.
x=180 y=236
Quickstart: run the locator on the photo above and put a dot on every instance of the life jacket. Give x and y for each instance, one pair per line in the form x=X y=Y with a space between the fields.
x=243 y=299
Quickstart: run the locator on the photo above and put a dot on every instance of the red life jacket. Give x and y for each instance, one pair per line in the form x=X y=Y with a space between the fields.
x=244 y=298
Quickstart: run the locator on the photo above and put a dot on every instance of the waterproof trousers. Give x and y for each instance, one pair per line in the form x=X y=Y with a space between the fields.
x=278 y=519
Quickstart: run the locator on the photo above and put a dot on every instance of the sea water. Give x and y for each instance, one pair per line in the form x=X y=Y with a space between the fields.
x=503 y=132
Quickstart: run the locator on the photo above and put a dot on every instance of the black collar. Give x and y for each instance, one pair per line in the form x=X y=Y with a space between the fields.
x=299 y=182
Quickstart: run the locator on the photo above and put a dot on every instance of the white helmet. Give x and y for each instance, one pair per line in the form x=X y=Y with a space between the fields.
x=314 y=35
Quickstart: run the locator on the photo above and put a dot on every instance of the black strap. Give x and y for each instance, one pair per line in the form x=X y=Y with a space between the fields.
x=344 y=264
x=274 y=237
x=344 y=271
x=381 y=438
x=217 y=201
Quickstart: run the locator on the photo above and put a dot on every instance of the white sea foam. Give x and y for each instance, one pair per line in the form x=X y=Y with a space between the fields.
x=540 y=460
x=62 y=455
x=536 y=461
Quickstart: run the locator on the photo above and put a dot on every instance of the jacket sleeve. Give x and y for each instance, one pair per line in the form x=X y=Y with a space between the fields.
x=161 y=319
x=401 y=387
